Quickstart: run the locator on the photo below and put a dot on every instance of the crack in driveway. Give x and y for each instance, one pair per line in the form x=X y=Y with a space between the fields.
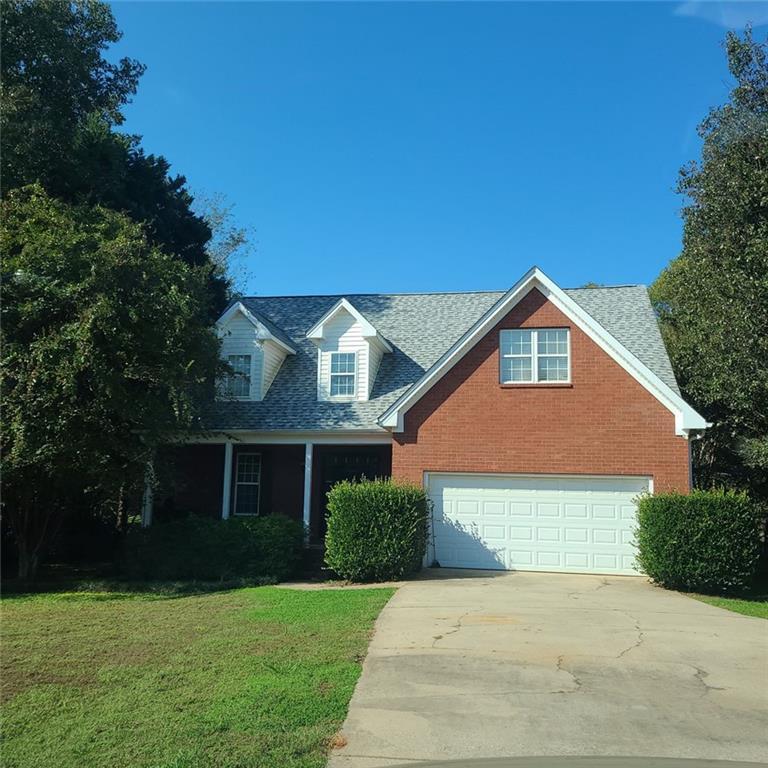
x=456 y=627
x=638 y=641
x=560 y=668
x=701 y=675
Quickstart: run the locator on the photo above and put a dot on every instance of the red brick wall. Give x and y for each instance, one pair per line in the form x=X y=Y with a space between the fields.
x=604 y=423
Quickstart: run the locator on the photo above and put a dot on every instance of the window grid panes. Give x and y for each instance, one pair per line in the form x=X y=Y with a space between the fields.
x=247 y=483
x=552 y=355
x=534 y=356
x=343 y=374
x=238 y=383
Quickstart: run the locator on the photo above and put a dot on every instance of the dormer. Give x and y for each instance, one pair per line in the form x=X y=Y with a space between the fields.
x=255 y=349
x=349 y=351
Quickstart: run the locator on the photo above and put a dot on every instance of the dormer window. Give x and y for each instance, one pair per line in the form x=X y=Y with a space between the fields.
x=238 y=383
x=255 y=348
x=343 y=374
x=349 y=352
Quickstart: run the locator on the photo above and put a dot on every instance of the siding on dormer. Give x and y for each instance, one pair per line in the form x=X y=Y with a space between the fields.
x=342 y=333
x=239 y=338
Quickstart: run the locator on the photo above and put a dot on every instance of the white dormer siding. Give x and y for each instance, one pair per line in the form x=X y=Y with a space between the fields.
x=238 y=337
x=242 y=333
x=344 y=330
x=273 y=359
x=343 y=333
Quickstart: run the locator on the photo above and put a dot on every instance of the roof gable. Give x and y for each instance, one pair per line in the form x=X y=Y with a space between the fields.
x=317 y=331
x=686 y=418
x=264 y=327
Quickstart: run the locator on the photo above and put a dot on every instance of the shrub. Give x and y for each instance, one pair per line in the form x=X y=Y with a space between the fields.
x=203 y=548
x=705 y=541
x=377 y=529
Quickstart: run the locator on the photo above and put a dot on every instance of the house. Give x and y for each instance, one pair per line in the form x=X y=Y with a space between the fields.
x=534 y=417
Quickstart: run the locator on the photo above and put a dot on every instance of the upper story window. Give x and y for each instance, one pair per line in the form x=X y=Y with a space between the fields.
x=535 y=356
x=343 y=374
x=238 y=383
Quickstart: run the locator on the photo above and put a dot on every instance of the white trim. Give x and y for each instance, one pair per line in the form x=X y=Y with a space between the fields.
x=545 y=475
x=317 y=331
x=307 y=501
x=238 y=483
x=686 y=418
x=262 y=331
x=534 y=357
x=226 y=491
x=331 y=374
x=227 y=396
x=330 y=437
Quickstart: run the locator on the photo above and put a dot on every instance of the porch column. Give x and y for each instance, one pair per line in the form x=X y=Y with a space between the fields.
x=307 y=486
x=148 y=500
x=226 y=492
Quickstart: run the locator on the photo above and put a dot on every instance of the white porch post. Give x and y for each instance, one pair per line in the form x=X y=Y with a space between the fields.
x=226 y=492
x=307 y=486
x=148 y=500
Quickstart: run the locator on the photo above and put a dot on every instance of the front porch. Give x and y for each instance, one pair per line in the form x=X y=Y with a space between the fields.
x=261 y=476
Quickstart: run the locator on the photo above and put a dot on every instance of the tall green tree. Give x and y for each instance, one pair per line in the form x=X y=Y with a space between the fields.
x=713 y=299
x=62 y=101
x=106 y=351
x=54 y=77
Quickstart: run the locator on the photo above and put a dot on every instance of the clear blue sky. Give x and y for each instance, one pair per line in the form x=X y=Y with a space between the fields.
x=425 y=147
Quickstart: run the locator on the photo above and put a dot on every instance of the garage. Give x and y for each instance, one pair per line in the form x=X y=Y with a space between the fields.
x=573 y=524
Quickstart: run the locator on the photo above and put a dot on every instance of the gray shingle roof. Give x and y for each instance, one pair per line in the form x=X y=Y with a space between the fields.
x=420 y=328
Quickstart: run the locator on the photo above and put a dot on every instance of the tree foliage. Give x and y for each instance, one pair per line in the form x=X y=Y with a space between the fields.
x=713 y=299
x=106 y=349
x=54 y=77
x=62 y=100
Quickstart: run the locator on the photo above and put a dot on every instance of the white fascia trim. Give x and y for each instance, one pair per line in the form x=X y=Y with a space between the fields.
x=245 y=437
x=686 y=418
x=317 y=331
x=262 y=332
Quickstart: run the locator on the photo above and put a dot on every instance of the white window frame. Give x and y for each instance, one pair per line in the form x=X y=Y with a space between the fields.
x=353 y=394
x=534 y=357
x=229 y=378
x=238 y=483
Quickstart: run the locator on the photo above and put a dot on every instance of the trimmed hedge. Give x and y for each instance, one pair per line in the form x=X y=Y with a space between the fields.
x=377 y=529
x=207 y=549
x=704 y=541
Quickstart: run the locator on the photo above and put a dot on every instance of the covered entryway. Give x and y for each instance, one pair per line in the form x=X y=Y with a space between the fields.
x=571 y=523
x=333 y=463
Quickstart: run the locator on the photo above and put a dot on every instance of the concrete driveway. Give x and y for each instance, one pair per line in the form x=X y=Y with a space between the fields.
x=484 y=664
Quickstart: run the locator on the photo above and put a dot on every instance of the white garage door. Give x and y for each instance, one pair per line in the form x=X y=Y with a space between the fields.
x=570 y=524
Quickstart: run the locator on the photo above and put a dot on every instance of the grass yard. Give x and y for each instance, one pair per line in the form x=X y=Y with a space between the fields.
x=757 y=606
x=251 y=677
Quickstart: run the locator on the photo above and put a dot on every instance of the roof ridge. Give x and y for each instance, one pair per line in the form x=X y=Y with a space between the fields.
x=422 y=293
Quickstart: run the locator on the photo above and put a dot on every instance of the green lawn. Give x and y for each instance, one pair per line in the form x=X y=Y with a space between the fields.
x=757 y=606
x=251 y=677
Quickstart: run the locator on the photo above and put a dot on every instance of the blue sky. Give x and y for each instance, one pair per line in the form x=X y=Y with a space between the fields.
x=395 y=147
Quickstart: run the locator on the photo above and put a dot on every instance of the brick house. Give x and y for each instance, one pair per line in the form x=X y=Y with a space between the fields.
x=533 y=417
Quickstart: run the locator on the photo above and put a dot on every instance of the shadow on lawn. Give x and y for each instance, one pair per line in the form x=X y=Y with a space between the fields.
x=114 y=589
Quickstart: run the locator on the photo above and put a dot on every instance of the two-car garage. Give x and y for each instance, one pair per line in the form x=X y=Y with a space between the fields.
x=573 y=524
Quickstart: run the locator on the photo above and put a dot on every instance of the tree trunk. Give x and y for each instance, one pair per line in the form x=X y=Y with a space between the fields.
x=29 y=561
x=34 y=522
x=122 y=511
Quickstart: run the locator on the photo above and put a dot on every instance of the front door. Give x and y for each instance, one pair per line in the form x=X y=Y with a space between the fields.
x=337 y=464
